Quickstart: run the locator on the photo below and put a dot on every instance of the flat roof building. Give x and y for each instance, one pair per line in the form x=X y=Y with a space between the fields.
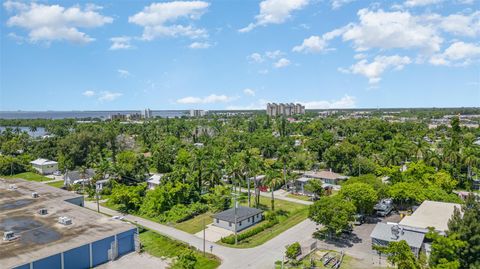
x=384 y=233
x=44 y=166
x=430 y=214
x=52 y=230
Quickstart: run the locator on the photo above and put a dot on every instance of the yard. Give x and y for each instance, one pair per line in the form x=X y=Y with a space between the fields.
x=56 y=184
x=289 y=214
x=195 y=225
x=164 y=247
x=30 y=176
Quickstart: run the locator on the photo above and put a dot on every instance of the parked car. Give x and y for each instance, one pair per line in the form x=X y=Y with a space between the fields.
x=57 y=173
x=384 y=207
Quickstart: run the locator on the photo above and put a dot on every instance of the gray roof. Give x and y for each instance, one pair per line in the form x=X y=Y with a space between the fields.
x=76 y=175
x=243 y=213
x=383 y=231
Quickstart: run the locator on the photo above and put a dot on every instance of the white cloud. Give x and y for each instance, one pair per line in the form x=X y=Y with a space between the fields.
x=200 y=45
x=418 y=3
x=158 y=19
x=255 y=57
x=346 y=101
x=273 y=54
x=458 y=53
x=380 y=64
x=283 y=62
x=462 y=25
x=53 y=22
x=120 y=42
x=275 y=12
x=391 y=30
x=123 y=73
x=88 y=93
x=212 y=98
x=108 y=96
x=311 y=44
x=249 y=92
x=339 y=3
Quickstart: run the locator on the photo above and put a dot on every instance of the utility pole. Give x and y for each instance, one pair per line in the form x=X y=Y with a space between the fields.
x=235 y=210
x=203 y=237
x=96 y=196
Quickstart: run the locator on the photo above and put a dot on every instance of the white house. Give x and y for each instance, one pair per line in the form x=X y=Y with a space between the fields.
x=154 y=181
x=44 y=166
x=245 y=217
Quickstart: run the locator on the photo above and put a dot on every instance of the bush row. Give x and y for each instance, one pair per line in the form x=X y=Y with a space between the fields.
x=249 y=233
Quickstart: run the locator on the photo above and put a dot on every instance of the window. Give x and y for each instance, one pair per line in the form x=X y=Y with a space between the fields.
x=218 y=221
x=229 y=224
x=240 y=224
x=248 y=220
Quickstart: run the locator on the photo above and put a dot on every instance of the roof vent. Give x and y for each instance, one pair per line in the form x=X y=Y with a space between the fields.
x=9 y=236
x=12 y=187
x=395 y=232
x=43 y=211
x=34 y=195
x=65 y=220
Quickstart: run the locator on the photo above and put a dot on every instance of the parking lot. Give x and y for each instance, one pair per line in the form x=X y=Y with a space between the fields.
x=358 y=244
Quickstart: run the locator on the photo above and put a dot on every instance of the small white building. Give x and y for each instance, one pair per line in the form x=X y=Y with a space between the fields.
x=245 y=217
x=44 y=166
x=154 y=181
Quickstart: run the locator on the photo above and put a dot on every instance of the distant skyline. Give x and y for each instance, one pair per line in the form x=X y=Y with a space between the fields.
x=213 y=55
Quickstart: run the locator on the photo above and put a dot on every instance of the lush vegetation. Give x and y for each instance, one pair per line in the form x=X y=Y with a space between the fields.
x=183 y=256
x=204 y=160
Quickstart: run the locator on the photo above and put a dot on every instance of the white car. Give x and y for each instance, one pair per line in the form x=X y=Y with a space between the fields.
x=118 y=217
x=57 y=173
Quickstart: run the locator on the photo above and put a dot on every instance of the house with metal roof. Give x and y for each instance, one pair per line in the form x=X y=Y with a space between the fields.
x=75 y=177
x=44 y=166
x=384 y=233
x=238 y=218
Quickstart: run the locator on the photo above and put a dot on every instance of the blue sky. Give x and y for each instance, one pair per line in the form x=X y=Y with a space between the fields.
x=101 y=55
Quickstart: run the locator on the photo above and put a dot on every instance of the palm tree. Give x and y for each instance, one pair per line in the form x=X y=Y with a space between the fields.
x=284 y=157
x=470 y=158
x=273 y=179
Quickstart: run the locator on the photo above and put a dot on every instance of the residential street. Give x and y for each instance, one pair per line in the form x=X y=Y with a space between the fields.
x=262 y=256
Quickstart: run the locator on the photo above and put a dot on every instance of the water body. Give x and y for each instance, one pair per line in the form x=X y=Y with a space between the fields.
x=38 y=133
x=84 y=114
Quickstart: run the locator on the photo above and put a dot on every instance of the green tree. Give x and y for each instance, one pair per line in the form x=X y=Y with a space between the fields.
x=219 y=199
x=315 y=186
x=362 y=195
x=293 y=250
x=187 y=260
x=127 y=198
x=444 y=250
x=333 y=212
x=400 y=255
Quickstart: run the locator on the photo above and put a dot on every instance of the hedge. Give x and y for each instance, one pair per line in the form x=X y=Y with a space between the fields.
x=249 y=233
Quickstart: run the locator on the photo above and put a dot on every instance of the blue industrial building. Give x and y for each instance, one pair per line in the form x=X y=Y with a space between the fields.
x=63 y=236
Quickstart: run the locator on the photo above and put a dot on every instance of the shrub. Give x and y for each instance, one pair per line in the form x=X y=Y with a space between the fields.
x=293 y=250
x=180 y=212
x=249 y=233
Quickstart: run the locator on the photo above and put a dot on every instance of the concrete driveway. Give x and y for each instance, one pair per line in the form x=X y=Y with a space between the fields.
x=214 y=233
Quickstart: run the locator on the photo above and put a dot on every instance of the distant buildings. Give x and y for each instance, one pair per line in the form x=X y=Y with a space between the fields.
x=282 y=109
x=44 y=166
x=197 y=113
x=146 y=113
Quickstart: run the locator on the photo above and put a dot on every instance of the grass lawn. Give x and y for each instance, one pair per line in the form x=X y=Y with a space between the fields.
x=57 y=184
x=299 y=197
x=195 y=225
x=163 y=247
x=289 y=214
x=29 y=176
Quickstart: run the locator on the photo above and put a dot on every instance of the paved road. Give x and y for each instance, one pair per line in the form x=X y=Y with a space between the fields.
x=262 y=256
x=280 y=195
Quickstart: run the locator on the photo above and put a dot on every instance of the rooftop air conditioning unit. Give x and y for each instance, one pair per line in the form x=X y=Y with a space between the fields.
x=9 y=236
x=34 y=195
x=65 y=220
x=43 y=211
x=12 y=187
